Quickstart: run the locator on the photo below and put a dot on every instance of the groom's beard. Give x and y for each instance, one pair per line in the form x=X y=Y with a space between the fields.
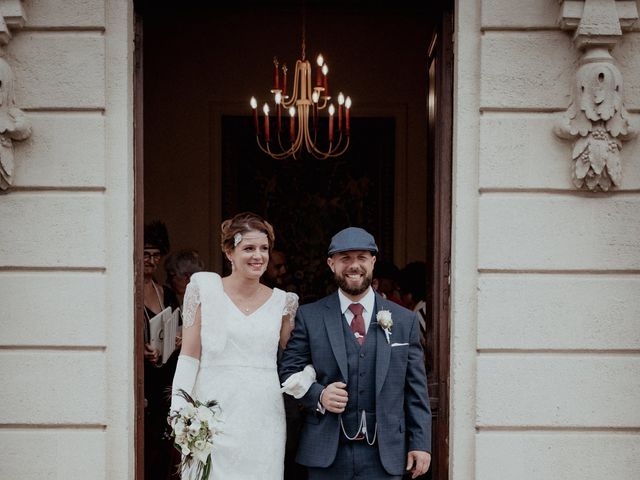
x=354 y=290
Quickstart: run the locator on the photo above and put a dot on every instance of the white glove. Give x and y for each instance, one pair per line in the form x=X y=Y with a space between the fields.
x=185 y=379
x=298 y=383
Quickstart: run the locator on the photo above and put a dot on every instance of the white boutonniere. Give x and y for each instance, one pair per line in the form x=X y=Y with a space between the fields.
x=384 y=320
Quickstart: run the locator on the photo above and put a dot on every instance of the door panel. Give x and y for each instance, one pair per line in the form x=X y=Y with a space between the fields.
x=440 y=129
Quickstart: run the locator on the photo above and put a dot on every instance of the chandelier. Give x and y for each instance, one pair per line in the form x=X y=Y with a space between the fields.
x=304 y=105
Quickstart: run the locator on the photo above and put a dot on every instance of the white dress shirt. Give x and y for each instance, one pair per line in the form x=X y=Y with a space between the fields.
x=368 y=302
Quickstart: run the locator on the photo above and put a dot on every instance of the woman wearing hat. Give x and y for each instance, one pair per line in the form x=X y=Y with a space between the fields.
x=159 y=457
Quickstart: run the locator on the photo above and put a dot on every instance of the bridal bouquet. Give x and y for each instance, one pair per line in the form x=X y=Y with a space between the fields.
x=194 y=427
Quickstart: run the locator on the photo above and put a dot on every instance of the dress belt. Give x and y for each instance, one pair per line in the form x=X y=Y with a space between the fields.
x=237 y=365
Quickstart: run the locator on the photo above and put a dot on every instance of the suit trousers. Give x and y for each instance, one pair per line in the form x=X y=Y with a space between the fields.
x=354 y=460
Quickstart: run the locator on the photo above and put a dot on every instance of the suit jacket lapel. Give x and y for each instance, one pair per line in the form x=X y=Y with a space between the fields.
x=333 y=323
x=383 y=351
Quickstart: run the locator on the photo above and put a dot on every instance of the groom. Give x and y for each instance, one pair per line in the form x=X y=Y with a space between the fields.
x=367 y=413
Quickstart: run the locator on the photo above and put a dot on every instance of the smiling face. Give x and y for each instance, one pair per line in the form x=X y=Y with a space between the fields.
x=251 y=256
x=152 y=257
x=353 y=271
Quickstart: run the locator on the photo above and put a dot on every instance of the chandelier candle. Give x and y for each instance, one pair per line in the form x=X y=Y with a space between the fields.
x=315 y=98
x=266 y=122
x=331 y=112
x=340 y=104
x=254 y=106
x=320 y=63
x=347 y=104
x=325 y=72
x=284 y=82
x=292 y=123
x=276 y=75
x=278 y=110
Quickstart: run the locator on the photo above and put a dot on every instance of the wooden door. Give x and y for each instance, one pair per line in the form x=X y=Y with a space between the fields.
x=138 y=249
x=440 y=131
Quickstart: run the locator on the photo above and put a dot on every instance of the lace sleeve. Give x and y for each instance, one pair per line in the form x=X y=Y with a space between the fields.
x=190 y=306
x=290 y=306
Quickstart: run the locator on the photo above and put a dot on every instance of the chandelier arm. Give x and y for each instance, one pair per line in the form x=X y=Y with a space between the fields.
x=324 y=103
x=315 y=151
x=309 y=144
x=267 y=150
x=282 y=154
x=279 y=155
x=280 y=143
x=303 y=111
x=334 y=154
x=296 y=83
x=260 y=145
x=335 y=150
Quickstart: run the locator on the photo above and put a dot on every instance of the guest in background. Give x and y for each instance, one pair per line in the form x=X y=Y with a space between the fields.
x=413 y=285
x=276 y=270
x=413 y=289
x=385 y=281
x=159 y=461
x=179 y=266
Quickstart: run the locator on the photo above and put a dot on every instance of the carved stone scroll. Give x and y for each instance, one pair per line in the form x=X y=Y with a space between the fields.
x=14 y=125
x=597 y=120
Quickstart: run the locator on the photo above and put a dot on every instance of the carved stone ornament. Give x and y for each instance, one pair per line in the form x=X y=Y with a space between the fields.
x=597 y=120
x=14 y=125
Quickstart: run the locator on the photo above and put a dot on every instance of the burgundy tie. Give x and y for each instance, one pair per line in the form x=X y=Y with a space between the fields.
x=357 y=324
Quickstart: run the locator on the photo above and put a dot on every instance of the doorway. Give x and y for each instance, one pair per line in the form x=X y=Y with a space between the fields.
x=201 y=65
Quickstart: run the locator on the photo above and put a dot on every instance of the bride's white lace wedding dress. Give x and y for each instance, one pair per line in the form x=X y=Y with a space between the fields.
x=238 y=369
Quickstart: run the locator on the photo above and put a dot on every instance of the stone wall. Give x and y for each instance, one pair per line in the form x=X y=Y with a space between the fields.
x=546 y=283
x=66 y=275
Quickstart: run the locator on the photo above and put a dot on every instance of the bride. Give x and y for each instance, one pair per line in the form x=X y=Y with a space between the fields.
x=231 y=330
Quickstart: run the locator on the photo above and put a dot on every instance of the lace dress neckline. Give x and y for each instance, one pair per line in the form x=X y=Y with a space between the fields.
x=244 y=314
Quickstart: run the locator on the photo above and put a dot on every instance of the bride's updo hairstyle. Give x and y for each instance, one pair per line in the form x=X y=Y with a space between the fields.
x=244 y=223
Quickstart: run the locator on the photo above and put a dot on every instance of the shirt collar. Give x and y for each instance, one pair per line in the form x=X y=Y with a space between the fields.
x=368 y=301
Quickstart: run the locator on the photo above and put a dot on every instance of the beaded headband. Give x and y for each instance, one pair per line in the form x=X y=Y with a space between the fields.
x=237 y=238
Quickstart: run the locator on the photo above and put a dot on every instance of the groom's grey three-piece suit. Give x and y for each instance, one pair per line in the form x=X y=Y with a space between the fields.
x=385 y=378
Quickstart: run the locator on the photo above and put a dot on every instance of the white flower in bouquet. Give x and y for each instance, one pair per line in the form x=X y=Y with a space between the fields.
x=179 y=427
x=194 y=427
x=204 y=414
x=188 y=410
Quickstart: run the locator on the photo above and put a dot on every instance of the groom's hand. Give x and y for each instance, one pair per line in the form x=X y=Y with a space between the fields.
x=418 y=462
x=334 y=397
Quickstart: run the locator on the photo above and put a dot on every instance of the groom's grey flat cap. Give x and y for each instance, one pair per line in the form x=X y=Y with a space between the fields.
x=352 y=238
